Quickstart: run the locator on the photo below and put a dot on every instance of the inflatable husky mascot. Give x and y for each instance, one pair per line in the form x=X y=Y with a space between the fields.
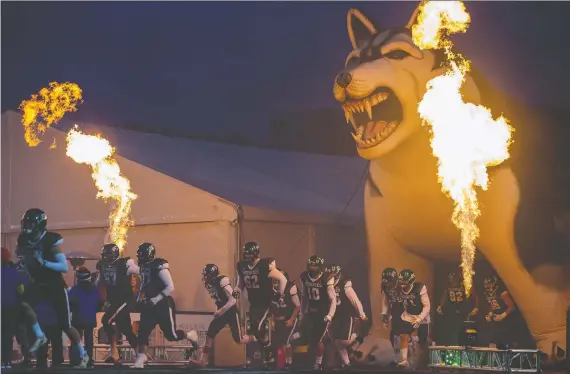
x=408 y=218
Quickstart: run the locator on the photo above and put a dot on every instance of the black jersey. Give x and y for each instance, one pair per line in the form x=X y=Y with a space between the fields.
x=257 y=282
x=395 y=300
x=41 y=275
x=285 y=307
x=316 y=291
x=151 y=284
x=413 y=299
x=113 y=276
x=456 y=295
x=216 y=290
x=343 y=304
x=495 y=301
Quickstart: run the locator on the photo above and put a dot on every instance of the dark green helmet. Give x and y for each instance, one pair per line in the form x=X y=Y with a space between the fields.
x=34 y=223
x=251 y=251
x=389 y=278
x=335 y=270
x=406 y=279
x=315 y=265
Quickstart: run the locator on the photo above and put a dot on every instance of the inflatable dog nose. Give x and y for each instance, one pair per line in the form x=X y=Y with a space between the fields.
x=343 y=79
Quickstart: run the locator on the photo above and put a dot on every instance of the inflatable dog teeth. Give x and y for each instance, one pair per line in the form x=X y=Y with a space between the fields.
x=408 y=217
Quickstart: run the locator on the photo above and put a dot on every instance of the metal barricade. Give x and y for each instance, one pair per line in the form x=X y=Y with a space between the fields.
x=487 y=359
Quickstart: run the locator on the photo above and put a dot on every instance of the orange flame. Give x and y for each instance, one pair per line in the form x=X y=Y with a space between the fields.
x=465 y=137
x=50 y=103
x=95 y=151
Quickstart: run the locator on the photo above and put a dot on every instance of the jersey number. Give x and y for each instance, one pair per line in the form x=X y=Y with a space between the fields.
x=251 y=281
x=495 y=305
x=314 y=294
x=110 y=276
x=456 y=297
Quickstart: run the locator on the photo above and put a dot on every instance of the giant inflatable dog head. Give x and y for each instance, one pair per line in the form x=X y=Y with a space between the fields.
x=382 y=83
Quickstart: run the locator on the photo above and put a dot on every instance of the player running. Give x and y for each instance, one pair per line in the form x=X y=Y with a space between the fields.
x=285 y=312
x=220 y=290
x=415 y=318
x=256 y=275
x=348 y=306
x=158 y=306
x=318 y=305
x=115 y=276
x=46 y=264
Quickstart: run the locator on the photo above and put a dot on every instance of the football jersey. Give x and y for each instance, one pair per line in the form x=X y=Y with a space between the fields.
x=257 y=282
x=496 y=303
x=413 y=300
x=343 y=305
x=316 y=291
x=216 y=290
x=284 y=307
x=113 y=276
x=151 y=284
x=41 y=275
x=395 y=300
x=456 y=295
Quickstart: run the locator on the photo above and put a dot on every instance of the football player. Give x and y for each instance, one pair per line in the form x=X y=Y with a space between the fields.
x=46 y=264
x=456 y=296
x=256 y=275
x=415 y=318
x=318 y=305
x=220 y=290
x=285 y=312
x=501 y=313
x=392 y=302
x=348 y=306
x=115 y=276
x=158 y=306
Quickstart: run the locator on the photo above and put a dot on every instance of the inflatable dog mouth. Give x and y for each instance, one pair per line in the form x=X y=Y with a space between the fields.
x=373 y=118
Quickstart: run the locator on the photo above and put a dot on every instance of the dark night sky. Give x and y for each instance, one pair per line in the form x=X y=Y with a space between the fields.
x=225 y=66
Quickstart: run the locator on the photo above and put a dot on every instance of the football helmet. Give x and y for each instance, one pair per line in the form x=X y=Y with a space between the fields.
x=389 y=278
x=406 y=280
x=250 y=252
x=209 y=273
x=490 y=283
x=336 y=271
x=455 y=277
x=33 y=223
x=110 y=252
x=315 y=266
x=145 y=253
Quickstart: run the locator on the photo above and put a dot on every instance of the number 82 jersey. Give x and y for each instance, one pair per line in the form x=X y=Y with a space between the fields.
x=257 y=282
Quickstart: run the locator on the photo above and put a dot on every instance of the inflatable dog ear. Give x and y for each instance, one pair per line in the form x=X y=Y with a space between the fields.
x=360 y=28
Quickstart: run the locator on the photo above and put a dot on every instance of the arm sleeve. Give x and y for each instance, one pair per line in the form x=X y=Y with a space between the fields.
x=294 y=296
x=277 y=275
x=425 y=303
x=60 y=264
x=332 y=297
x=385 y=303
x=354 y=300
x=132 y=268
x=226 y=286
x=166 y=278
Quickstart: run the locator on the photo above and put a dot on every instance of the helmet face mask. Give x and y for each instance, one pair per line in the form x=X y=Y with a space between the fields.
x=33 y=224
x=406 y=280
x=145 y=253
x=251 y=252
x=110 y=252
x=315 y=266
x=336 y=271
x=209 y=273
x=490 y=284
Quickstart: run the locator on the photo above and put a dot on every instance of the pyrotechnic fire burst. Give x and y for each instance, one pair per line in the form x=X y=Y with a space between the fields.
x=51 y=104
x=96 y=152
x=465 y=137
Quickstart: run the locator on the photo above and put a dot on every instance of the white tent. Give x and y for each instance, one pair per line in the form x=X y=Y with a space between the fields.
x=198 y=201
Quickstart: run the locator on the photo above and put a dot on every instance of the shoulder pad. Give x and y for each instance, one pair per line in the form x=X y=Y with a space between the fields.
x=53 y=239
x=418 y=286
x=223 y=281
x=160 y=263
